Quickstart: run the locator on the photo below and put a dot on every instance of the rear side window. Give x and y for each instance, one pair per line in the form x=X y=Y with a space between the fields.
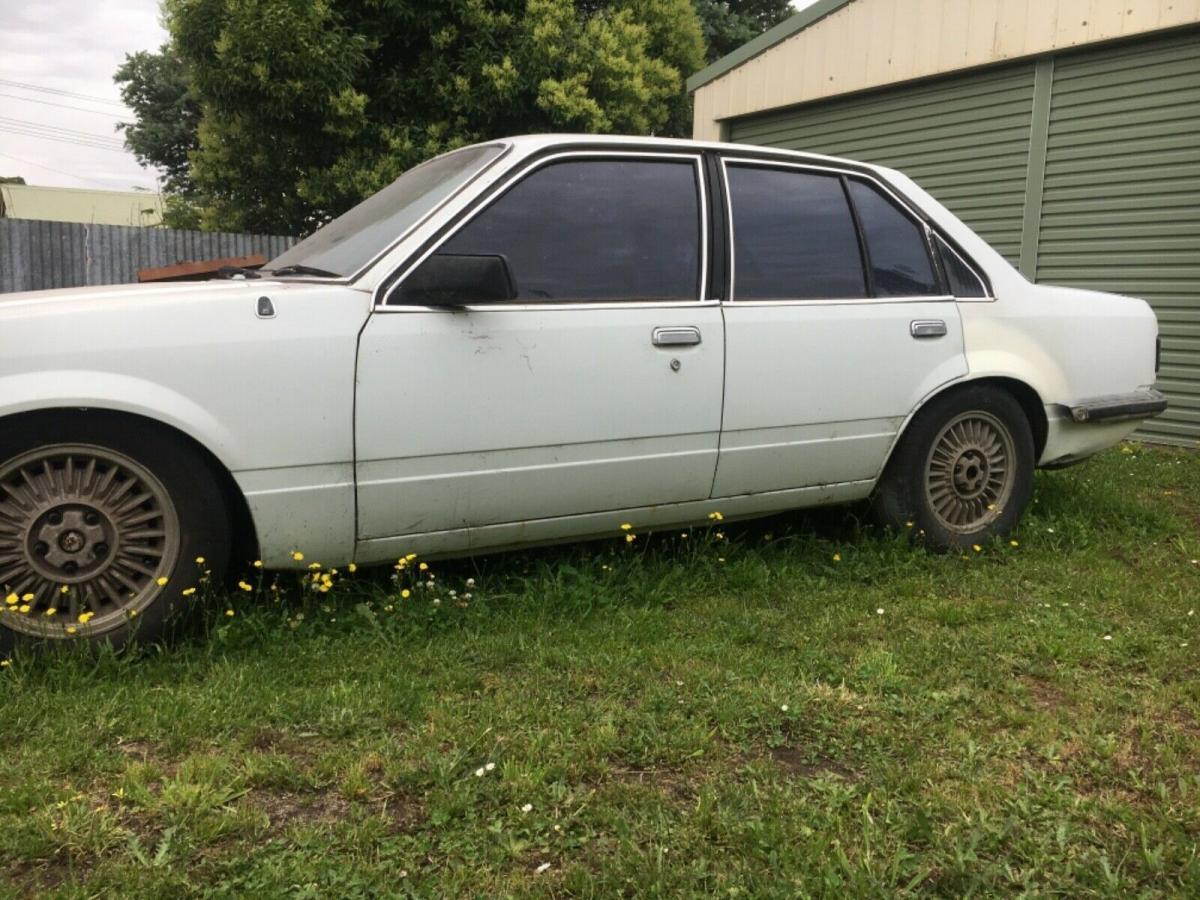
x=595 y=229
x=793 y=236
x=896 y=248
x=962 y=279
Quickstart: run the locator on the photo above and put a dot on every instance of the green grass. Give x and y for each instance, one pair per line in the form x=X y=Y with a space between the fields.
x=736 y=716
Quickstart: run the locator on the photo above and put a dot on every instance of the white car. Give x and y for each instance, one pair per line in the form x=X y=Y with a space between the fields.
x=536 y=340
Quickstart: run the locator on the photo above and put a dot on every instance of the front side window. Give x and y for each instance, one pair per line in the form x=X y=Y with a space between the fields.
x=793 y=236
x=590 y=229
x=900 y=264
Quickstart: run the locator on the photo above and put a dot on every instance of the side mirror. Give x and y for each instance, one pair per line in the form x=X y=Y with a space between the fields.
x=453 y=279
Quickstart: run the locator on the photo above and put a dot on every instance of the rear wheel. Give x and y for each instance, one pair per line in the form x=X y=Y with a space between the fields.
x=963 y=472
x=101 y=523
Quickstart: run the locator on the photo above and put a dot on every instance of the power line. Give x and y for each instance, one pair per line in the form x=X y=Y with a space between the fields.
x=94 y=112
x=63 y=132
x=52 y=169
x=45 y=90
x=62 y=140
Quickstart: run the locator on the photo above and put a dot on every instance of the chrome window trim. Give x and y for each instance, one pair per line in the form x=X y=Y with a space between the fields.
x=972 y=268
x=387 y=285
x=825 y=170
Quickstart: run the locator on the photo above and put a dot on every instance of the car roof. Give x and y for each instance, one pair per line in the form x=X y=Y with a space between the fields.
x=527 y=144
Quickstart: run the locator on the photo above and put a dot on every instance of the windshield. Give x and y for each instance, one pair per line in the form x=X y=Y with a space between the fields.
x=353 y=239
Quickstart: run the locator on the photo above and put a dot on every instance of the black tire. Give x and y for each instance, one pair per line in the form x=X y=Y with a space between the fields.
x=963 y=471
x=82 y=538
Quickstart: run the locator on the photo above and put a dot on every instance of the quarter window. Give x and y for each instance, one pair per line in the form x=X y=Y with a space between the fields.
x=962 y=279
x=900 y=264
x=596 y=229
x=793 y=236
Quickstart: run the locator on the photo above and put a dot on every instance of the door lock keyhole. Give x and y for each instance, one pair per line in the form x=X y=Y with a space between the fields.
x=675 y=365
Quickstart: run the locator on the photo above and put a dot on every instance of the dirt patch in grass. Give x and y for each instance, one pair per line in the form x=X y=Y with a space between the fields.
x=36 y=878
x=1045 y=695
x=327 y=807
x=798 y=763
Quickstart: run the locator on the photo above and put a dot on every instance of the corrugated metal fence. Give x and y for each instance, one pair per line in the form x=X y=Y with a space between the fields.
x=35 y=255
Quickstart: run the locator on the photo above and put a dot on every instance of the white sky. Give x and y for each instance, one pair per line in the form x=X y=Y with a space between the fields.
x=74 y=46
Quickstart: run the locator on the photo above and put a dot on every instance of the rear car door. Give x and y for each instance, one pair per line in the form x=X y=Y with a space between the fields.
x=837 y=325
x=596 y=387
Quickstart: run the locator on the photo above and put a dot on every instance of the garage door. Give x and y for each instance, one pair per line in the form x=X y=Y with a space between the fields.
x=964 y=139
x=1121 y=202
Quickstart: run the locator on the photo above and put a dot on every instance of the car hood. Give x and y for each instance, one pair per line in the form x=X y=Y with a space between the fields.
x=124 y=296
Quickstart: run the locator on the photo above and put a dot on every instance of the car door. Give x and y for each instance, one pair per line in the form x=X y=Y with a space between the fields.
x=595 y=387
x=837 y=326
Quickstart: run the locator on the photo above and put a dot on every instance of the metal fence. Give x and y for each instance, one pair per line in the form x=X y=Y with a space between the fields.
x=35 y=255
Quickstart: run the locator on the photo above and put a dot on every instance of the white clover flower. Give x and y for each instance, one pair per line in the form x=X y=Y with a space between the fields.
x=542 y=868
x=528 y=807
x=879 y=611
x=490 y=766
x=470 y=582
x=784 y=707
x=1108 y=637
x=479 y=772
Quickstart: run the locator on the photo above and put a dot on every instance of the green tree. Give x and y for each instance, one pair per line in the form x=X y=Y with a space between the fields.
x=728 y=24
x=167 y=115
x=307 y=106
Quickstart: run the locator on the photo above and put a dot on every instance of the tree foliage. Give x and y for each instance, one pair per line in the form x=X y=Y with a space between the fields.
x=727 y=24
x=308 y=105
x=164 y=134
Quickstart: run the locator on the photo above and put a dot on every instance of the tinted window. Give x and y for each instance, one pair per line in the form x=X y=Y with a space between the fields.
x=595 y=230
x=963 y=281
x=900 y=265
x=793 y=236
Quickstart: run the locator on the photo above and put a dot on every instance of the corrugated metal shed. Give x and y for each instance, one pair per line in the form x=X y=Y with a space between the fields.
x=1081 y=166
x=36 y=255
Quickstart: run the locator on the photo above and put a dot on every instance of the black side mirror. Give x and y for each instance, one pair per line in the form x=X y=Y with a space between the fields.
x=454 y=279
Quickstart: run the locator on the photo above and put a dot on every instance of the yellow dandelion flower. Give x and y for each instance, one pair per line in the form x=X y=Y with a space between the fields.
x=258 y=564
x=837 y=557
x=630 y=538
x=27 y=598
x=245 y=587
x=352 y=568
x=908 y=524
x=12 y=599
x=324 y=589
x=187 y=592
x=625 y=526
x=50 y=612
x=5 y=663
x=411 y=557
x=1014 y=543
x=229 y=612
x=424 y=567
x=976 y=548
x=160 y=581
x=65 y=589
x=199 y=560
x=133 y=613
x=23 y=608
x=297 y=556
x=86 y=617
x=71 y=629
x=315 y=565
x=405 y=594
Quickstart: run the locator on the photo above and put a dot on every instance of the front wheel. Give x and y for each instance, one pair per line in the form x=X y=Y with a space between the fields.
x=963 y=472
x=101 y=525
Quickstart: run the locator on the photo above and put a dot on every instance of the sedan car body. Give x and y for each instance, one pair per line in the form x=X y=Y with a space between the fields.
x=536 y=340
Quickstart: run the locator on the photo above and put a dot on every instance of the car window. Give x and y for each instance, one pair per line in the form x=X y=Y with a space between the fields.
x=352 y=240
x=793 y=236
x=962 y=279
x=595 y=229
x=900 y=264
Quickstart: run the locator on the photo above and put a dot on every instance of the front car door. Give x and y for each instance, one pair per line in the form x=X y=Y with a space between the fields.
x=596 y=388
x=837 y=326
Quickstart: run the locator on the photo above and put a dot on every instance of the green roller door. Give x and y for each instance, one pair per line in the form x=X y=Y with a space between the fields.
x=1121 y=198
x=965 y=139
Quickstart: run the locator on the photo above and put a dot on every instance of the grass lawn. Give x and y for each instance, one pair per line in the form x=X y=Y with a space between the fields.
x=789 y=707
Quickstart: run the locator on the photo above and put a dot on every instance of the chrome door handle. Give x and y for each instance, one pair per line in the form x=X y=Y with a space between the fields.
x=927 y=328
x=678 y=336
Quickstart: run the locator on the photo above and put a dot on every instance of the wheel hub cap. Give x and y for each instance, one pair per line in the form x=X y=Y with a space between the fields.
x=83 y=530
x=969 y=472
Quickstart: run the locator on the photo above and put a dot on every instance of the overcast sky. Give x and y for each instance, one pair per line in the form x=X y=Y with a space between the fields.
x=56 y=71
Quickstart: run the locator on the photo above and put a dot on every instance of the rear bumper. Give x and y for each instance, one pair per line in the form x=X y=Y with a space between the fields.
x=1119 y=407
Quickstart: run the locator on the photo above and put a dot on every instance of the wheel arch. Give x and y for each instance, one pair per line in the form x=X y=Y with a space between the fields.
x=1026 y=396
x=245 y=535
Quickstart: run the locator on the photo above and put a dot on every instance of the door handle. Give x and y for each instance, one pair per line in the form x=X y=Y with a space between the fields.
x=677 y=336
x=927 y=328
